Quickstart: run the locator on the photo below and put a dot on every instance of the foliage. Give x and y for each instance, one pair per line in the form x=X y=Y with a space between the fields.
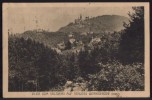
x=69 y=67
x=117 y=77
x=132 y=40
x=114 y=63
x=31 y=61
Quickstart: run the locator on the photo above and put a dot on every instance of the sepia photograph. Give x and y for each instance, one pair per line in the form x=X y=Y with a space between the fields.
x=76 y=50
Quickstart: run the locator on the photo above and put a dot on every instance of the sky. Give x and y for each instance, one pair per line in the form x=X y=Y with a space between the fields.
x=20 y=19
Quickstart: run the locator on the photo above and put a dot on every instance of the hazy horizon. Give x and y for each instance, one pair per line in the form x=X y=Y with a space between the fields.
x=21 y=19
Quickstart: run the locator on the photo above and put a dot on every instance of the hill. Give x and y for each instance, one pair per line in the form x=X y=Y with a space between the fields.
x=105 y=23
x=99 y=25
x=49 y=39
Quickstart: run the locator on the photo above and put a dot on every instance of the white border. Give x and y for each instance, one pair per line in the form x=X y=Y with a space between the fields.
x=145 y=93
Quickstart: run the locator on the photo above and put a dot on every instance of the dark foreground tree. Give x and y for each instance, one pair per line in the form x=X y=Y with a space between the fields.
x=132 y=40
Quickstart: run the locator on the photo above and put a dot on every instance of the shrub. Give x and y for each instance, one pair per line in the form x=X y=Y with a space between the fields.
x=117 y=77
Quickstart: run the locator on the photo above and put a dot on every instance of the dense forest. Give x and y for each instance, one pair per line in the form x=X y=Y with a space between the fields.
x=116 y=63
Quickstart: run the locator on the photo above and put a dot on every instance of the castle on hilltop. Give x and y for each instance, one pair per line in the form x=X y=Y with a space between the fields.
x=80 y=19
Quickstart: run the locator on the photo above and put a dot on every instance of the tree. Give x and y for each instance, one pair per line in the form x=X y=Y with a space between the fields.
x=88 y=62
x=31 y=61
x=132 y=39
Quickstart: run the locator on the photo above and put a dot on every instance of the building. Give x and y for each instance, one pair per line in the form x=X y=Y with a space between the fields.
x=95 y=40
x=71 y=35
x=57 y=50
x=90 y=32
x=87 y=18
x=61 y=46
x=79 y=20
x=84 y=33
x=72 y=40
